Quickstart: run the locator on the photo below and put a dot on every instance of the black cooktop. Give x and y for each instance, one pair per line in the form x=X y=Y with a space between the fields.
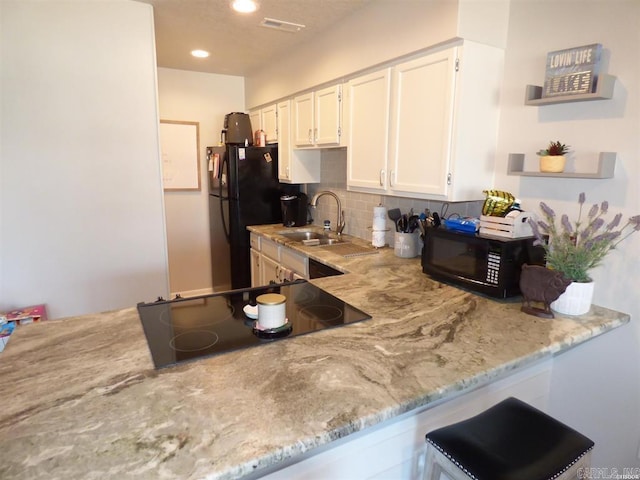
x=186 y=329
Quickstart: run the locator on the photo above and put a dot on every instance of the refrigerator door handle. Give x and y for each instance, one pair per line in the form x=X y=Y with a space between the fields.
x=225 y=225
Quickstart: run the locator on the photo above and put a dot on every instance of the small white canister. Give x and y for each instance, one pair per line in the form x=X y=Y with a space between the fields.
x=271 y=310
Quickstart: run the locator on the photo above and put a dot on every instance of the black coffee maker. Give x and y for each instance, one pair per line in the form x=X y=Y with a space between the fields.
x=294 y=209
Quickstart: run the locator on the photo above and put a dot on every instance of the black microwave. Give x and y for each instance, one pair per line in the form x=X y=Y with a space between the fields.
x=485 y=264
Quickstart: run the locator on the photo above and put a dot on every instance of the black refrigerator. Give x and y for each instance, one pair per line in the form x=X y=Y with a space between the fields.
x=243 y=190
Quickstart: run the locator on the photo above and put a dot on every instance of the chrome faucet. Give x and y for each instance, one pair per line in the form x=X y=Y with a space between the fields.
x=340 y=223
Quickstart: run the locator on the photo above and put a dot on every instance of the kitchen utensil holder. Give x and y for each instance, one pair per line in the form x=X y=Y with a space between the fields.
x=406 y=245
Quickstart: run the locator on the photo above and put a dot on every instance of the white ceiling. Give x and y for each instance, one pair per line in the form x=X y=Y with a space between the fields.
x=237 y=42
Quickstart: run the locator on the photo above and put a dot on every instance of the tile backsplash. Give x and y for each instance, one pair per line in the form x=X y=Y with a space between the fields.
x=358 y=207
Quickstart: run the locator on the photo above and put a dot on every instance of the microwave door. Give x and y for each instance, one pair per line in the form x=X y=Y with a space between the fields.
x=458 y=258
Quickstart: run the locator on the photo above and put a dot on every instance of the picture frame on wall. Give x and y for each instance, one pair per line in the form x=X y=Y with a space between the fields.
x=180 y=153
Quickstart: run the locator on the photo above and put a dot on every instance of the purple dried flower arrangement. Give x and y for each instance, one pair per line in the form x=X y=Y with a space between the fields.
x=574 y=249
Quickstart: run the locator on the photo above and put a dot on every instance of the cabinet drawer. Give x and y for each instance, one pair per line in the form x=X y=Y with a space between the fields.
x=295 y=261
x=254 y=241
x=270 y=248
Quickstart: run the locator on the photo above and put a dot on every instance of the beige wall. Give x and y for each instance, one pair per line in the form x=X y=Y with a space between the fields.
x=81 y=217
x=203 y=98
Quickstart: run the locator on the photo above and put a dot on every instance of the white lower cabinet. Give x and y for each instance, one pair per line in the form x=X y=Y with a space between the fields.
x=270 y=271
x=426 y=127
x=271 y=262
x=256 y=268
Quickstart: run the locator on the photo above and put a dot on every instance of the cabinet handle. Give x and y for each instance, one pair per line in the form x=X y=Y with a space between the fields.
x=391 y=174
x=310 y=139
x=288 y=174
x=315 y=135
x=382 y=177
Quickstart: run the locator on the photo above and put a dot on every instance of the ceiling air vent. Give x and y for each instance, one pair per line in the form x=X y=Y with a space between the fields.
x=281 y=25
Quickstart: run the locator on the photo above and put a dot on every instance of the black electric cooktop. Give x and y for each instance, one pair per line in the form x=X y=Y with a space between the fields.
x=186 y=329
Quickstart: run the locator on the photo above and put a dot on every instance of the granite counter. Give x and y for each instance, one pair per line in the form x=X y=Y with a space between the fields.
x=81 y=398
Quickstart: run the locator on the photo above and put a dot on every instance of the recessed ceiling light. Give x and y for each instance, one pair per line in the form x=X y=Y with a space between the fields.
x=244 y=6
x=200 y=53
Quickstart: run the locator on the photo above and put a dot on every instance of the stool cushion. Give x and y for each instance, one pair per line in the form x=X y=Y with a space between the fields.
x=511 y=441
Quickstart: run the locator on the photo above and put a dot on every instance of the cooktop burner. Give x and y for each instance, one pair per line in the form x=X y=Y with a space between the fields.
x=186 y=329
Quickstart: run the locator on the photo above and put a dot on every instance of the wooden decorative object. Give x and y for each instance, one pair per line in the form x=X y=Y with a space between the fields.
x=539 y=284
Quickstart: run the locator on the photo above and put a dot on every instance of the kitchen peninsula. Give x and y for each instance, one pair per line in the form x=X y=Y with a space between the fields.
x=81 y=398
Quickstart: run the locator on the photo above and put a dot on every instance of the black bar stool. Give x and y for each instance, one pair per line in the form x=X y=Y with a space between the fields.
x=509 y=441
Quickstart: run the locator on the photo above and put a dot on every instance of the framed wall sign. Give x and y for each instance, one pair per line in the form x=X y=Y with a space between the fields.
x=180 y=152
x=573 y=71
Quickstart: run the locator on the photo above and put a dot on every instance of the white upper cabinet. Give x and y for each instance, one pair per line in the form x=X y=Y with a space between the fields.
x=269 y=117
x=328 y=110
x=294 y=166
x=266 y=119
x=442 y=114
x=475 y=122
x=303 y=120
x=422 y=109
x=367 y=127
x=284 y=141
x=256 y=119
x=317 y=117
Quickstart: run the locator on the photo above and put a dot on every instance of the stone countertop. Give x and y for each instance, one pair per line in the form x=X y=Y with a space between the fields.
x=81 y=398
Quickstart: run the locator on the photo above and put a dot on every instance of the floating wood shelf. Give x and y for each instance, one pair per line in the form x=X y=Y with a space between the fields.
x=606 y=167
x=604 y=91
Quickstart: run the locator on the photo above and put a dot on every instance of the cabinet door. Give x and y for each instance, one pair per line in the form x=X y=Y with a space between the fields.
x=328 y=102
x=284 y=141
x=367 y=126
x=270 y=270
x=303 y=120
x=256 y=274
x=296 y=262
x=422 y=109
x=269 y=118
x=256 y=120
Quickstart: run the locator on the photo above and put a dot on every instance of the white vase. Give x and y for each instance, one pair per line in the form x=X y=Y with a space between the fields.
x=576 y=299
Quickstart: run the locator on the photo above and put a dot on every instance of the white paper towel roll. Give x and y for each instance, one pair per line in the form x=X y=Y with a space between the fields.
x=379 y=218
x=378 y=238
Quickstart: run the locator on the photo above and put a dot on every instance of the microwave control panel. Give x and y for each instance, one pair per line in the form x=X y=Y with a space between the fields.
x=493 y=267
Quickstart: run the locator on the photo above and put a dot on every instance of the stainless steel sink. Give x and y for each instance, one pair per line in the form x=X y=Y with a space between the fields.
x=309 y=237
x=300 y=236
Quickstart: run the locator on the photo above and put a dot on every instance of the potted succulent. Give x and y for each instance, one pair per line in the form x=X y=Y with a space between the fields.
x=576 y=248
x=552 y=158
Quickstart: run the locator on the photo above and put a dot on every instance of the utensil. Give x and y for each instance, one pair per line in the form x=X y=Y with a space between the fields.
x=395 y=214
x=413 y=222
x=436 y=219
x=403 y=223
